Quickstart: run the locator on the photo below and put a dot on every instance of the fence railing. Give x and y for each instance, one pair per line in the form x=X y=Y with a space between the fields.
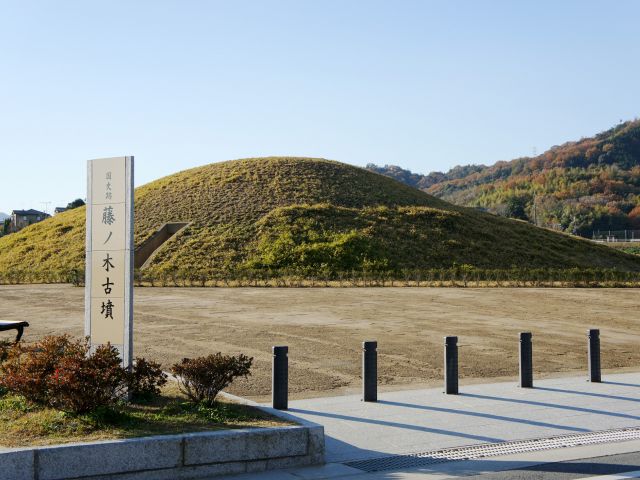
x=616 y=235
x=443 y=277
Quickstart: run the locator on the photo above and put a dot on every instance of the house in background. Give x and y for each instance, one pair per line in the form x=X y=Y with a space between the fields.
x=5 y=220
x=59 y=210
x=24 y=218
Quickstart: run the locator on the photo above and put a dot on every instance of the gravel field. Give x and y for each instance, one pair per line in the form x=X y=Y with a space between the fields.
x=324 y=328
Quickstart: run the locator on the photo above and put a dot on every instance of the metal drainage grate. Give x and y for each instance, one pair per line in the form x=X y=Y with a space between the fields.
x=414 y=460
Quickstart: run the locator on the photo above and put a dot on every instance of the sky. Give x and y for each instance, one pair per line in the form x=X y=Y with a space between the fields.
x=422 y=84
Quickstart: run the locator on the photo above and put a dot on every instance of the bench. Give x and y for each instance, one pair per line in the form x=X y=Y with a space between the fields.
x=13 y=325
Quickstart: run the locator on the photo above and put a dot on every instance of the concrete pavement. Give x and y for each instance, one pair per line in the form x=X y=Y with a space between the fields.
x=587 y=461
x=424 y=420
x=419 y=421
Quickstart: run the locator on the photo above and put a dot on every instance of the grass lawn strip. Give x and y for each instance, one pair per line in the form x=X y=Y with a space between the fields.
x=24 y=424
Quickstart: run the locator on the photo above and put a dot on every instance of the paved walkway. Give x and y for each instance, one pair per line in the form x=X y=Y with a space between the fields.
x=424 y=420
x=588 y=457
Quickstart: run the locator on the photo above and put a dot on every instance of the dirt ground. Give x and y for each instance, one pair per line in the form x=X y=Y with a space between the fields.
x=324 y=329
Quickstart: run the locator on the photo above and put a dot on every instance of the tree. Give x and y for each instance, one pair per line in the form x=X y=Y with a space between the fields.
x=634 y=217
x=78 y=202
x=515 y=208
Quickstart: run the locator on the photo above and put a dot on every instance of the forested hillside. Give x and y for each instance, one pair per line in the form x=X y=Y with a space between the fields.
x=591 y=184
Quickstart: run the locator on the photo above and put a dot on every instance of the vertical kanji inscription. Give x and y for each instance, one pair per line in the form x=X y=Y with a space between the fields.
x=108 y=313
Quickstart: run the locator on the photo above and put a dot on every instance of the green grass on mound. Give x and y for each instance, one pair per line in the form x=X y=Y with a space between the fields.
x=303 y=215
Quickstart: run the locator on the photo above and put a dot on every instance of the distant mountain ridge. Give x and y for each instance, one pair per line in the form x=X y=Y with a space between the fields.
x=582 y=186
x=4 y=216
x=424 y=182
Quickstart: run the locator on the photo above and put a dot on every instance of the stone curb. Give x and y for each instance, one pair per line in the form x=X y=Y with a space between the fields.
x=188 y=456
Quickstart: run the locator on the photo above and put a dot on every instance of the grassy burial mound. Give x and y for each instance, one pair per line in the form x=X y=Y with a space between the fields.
x=304 y=216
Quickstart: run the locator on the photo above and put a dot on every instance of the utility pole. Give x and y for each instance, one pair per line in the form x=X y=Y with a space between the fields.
x=46 y=207
x=534 y=151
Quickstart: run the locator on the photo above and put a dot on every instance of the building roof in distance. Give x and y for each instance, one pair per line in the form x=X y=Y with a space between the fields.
x=31 y=211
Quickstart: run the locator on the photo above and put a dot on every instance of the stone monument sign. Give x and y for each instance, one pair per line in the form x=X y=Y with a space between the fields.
x=109 y=254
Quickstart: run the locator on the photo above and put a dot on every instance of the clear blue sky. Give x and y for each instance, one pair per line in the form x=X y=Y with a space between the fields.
x=425 y=85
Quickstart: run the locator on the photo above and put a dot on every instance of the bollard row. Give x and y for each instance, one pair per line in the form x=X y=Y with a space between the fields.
x=280 y=372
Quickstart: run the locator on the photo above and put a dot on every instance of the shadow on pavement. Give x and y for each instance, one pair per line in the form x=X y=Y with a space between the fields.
x=551 y=405
x=622 y=384
x=485 y=415
x=386 y=423
x=589 y=394
x=506 y=469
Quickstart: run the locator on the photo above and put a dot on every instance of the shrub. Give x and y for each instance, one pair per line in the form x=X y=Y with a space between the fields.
x=202 y=378
x=145 y=379
x=82 y=383
x=59 y=372
x=28 y=368
x=5 y=347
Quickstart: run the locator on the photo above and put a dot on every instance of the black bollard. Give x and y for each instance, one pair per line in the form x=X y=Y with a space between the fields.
x=369 y=371
x=451 y=365
x=595 y=374
x=280 y=378
x=526 y=360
